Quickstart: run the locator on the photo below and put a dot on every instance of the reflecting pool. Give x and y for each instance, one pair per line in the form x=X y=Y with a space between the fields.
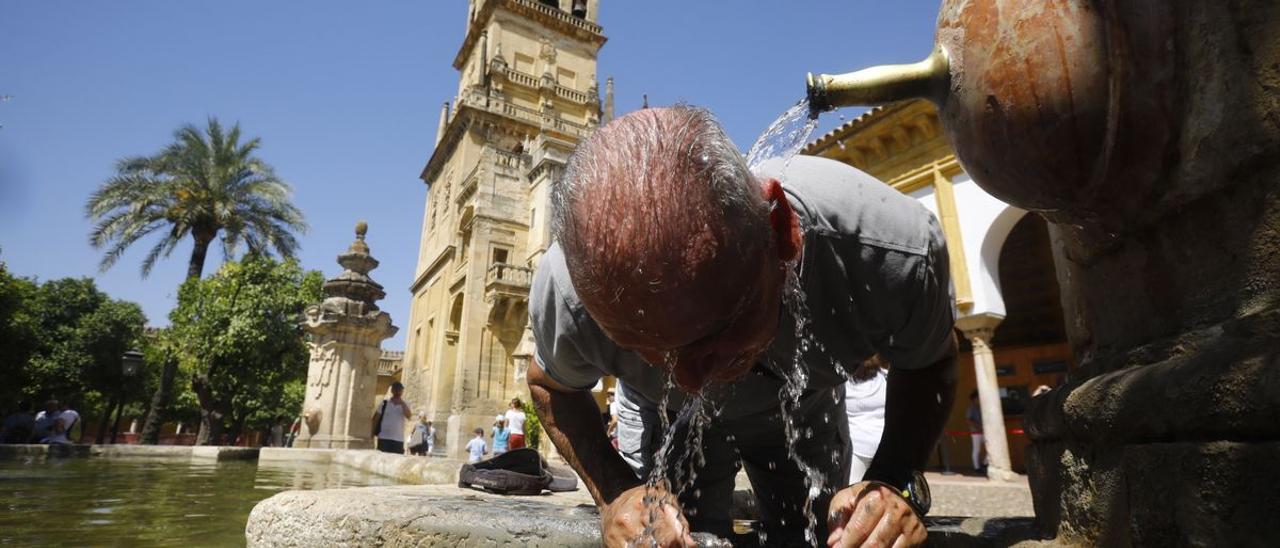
x=148 y=502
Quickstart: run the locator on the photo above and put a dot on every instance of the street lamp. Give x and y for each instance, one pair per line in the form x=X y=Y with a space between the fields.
x=129 y=364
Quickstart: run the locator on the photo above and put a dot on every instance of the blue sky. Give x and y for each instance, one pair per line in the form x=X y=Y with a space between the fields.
x=345 y=97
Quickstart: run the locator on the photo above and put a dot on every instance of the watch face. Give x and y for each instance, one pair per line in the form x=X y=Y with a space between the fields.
x=920 y=492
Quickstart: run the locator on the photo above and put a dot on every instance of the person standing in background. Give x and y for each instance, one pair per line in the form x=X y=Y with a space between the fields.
x=501 y=437
x=294 y=430
x=388 y=422
x=418 y=439
x=476 y=449
x=974 y=416
x=515 y=422
x=864 y=397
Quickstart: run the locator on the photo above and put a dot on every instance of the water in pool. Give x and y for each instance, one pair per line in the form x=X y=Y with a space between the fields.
x=148 y=502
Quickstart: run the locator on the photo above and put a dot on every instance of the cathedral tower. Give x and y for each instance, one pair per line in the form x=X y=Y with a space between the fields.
x=526 y=96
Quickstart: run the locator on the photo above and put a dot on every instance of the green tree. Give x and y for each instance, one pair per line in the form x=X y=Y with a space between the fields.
x=17 y=334
x=205 y=184
x=73 y=336
x=239 y=336
x=532 y=425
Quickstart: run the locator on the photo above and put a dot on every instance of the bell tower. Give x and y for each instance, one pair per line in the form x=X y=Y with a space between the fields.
x=527 y=94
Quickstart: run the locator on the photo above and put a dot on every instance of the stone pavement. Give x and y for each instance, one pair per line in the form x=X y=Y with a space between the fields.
x=975 y=496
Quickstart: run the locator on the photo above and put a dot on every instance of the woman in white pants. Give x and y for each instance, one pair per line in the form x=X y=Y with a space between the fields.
x=864 y=406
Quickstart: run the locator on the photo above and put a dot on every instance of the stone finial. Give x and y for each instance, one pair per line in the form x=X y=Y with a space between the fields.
x=607 y=114
x=359 y=246
x=354 y=285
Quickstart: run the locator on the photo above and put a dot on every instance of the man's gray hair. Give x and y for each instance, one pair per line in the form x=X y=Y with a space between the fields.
x=650 y=179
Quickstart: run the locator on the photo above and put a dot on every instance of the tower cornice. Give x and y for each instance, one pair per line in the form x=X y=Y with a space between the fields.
x=550 y=17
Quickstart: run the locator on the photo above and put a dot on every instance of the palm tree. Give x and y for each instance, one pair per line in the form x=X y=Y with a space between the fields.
x=203 y=184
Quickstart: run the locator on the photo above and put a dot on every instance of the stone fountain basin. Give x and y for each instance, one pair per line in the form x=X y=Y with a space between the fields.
x=421 y=515
x=446 y=515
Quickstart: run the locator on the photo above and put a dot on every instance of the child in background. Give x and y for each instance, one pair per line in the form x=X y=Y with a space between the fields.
x=501 y=437
x=476 y=448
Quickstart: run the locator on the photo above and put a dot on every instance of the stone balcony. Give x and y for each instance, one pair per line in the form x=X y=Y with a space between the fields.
x=390 y=363
x=545 y=121
x=506 y=289
x=507 y=281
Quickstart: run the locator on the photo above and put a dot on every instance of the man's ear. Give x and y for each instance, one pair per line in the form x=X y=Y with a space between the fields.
x=783 y=221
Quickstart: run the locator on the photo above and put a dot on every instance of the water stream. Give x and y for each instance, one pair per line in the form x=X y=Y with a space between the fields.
x=784 y=137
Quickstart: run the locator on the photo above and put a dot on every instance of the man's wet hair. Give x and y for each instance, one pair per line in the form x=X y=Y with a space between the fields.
x=666 y=185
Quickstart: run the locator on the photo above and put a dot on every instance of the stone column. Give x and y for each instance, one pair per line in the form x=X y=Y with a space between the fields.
x=347 y=331
x=979 y=329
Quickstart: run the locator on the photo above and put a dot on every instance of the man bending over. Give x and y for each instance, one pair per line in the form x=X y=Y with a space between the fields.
x=672 y=258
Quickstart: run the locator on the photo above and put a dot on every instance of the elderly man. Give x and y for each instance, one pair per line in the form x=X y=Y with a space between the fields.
x=672 y=261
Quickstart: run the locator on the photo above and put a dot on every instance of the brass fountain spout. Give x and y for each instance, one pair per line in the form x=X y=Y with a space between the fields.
x=927 y=79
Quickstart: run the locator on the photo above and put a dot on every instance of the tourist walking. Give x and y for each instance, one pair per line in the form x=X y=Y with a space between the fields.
x=476 y=449
x=294 y=430
x=501 y=437
x=974 y=416
x=515 y=422
x=418 y=439
x=431 y=438
x=388 y=421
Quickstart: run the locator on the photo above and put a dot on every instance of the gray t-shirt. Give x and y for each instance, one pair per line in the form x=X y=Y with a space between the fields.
x=875 y=275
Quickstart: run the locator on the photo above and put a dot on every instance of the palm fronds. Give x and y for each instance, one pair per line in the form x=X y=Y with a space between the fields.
x=204 y=184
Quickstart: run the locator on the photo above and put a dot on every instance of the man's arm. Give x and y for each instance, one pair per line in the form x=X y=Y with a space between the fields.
x=571 y=420
x=405 y=406
x=916 y=407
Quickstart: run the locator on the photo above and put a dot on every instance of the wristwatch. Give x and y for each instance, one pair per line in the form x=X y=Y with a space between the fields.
x=912 y=487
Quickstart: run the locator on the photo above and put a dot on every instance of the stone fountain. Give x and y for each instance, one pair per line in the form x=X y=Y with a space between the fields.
x=1147 y=132
x=346 y=332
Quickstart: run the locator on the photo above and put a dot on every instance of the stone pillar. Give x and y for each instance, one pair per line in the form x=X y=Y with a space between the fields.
x=979 y=329
x=453 y=436
x=347 y=331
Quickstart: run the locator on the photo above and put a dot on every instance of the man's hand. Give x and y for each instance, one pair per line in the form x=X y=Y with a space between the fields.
x=625 y=519
x=871 y=514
